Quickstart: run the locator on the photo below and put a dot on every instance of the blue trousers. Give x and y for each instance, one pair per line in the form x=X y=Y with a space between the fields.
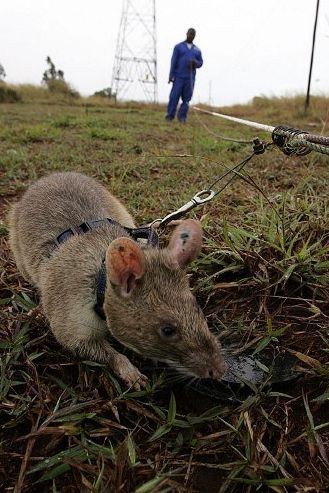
x=181 y=88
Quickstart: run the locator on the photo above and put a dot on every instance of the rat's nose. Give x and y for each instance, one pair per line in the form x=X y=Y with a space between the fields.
x=214 y=374
x=217 y=373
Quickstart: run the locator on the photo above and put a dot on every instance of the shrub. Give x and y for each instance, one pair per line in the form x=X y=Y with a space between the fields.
x=2 y=73
x=55 y=82
x=8 y=95
x=59 y=86
x=106 y=93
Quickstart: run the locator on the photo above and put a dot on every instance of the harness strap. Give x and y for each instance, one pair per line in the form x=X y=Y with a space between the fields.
x=147 y=233
x=100 y=291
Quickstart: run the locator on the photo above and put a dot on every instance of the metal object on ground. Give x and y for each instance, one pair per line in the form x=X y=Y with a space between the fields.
x=246 y=371
x=261 y=368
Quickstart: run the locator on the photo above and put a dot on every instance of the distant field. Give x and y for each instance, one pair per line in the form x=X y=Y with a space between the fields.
x=262 y=280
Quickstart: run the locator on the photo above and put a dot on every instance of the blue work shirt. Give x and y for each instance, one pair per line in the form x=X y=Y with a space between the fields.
x=180 y=61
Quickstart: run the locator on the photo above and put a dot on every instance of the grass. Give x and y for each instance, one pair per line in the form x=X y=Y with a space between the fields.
x=262 y=280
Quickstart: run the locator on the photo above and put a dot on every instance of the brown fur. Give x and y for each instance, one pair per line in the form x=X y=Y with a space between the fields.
x=146 y=288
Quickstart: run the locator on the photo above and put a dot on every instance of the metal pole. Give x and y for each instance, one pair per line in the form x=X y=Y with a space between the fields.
x=210 y=99
x=155 y=57
x=307 y=101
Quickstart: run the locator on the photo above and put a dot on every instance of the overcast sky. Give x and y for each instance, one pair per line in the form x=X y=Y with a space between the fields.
x=250 y=47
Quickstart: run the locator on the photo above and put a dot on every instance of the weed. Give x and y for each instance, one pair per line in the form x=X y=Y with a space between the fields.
x=262 y=281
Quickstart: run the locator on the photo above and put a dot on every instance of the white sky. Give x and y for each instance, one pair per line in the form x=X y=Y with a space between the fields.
x=250 y=47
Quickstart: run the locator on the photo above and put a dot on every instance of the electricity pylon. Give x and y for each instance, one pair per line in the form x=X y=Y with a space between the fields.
x=134 y=73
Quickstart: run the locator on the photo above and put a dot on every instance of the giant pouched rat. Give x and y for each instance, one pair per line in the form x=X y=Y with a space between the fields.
x=148 y=304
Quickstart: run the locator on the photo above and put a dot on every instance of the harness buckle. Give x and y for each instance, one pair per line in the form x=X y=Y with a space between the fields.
x=84 y=228
x=146 y=233
x=199 y=198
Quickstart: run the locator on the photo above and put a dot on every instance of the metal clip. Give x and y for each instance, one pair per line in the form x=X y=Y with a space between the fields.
x=198 y=199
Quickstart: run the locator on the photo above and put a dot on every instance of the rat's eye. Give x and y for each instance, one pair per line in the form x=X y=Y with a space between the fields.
x=169 y=333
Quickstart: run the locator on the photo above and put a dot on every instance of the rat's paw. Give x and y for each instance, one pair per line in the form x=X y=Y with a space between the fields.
x=128 y=373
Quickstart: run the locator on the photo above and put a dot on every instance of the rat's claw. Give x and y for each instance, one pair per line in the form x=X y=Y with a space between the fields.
x=140 y=383
x=135 y=380
x=128 y=373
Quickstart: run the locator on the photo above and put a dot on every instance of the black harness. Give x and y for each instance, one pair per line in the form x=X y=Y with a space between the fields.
x=146 y=233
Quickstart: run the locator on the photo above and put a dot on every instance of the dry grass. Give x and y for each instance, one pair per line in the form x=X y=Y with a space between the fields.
x=262 y=279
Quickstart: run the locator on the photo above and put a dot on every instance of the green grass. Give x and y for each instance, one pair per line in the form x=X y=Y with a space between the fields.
x=262 y=280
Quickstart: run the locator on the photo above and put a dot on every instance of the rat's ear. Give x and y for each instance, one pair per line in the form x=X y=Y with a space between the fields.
x=185 y=243
x=125 y=263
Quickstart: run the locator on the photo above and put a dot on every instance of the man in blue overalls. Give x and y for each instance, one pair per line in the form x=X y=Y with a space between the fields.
x=185 y=60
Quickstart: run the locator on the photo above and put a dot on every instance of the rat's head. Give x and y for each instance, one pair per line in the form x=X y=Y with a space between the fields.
x=149 y=306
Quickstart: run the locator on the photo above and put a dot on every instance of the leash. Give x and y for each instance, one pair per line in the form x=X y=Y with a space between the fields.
x=208 y=194
x=290 y=140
